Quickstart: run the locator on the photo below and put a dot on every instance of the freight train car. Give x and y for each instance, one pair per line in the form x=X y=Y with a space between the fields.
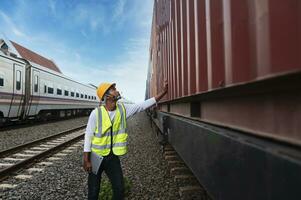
x=233 y=108
x=29 y=90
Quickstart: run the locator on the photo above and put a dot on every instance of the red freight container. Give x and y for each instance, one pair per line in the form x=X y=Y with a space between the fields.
x=233 y=63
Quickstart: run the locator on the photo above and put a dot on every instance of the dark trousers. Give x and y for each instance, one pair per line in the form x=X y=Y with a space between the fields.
x=111 y=166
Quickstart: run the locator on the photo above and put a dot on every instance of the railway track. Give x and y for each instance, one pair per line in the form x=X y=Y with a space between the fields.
x=22 y=156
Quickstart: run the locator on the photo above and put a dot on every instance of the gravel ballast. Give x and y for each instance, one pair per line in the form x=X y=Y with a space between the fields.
x=144 y=166
x=15 y=137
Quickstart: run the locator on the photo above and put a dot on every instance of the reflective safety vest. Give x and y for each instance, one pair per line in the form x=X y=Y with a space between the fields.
x=101 y=142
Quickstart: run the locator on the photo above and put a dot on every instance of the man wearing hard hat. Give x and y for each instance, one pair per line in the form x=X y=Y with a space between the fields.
x=106 y=136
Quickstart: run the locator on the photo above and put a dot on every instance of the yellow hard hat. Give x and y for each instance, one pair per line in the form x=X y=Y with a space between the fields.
x=102 y=89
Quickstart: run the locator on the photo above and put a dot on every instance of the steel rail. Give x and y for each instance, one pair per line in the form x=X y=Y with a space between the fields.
x=6 y=172
x=32 y=143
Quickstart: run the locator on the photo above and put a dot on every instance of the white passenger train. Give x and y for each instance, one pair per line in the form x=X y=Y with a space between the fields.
x=28 y=90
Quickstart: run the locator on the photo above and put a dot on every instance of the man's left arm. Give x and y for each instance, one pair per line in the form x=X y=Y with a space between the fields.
x=132 y=109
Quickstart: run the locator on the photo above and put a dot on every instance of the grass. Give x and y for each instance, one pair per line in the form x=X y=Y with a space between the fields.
x=106 y=192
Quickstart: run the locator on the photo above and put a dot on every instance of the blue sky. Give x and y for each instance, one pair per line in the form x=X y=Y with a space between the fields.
x=90 y=40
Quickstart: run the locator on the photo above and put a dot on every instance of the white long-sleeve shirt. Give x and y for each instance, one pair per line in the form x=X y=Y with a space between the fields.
x=131 y=109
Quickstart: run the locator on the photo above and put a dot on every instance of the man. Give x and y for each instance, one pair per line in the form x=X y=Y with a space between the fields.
x=106 y=136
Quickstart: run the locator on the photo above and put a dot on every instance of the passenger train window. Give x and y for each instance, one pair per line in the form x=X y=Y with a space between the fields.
x=81 y=96
x=89 y=97
x=36 y=81
x=1 y=80
x=18 y=80
x=77 y=94
x=45 y=88
x=72 y=94
x=66 y=93
x=58 y=91
x=85 y=96
x=50 y=90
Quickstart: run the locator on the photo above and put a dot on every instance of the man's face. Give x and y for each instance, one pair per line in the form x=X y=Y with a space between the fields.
x=113 y=91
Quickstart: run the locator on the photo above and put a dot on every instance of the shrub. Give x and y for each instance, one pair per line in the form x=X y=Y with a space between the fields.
x=106 y=192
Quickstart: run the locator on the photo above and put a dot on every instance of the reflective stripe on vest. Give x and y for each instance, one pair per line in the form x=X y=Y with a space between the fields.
x=101 y=142
x=108 y=133
x=107 y=146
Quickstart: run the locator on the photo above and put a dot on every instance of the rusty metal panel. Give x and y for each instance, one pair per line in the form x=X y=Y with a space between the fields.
x=283 y=20
x=170 y=61
x=191 y=59
x=275 y=116
x=236 y=38
x=215 y=44
x=174 y=56
x=259 y=35
x=163 y=66
x=168 y=56
x=178 y=34
x=170 y=81
x=184 y=64
x=165 y=60
x=200 y=46
x=216 y=51
x=209 y=44
x=173 y=42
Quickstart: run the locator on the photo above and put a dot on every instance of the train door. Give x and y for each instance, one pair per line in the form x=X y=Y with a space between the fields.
x=18 y=91
x=35 y=92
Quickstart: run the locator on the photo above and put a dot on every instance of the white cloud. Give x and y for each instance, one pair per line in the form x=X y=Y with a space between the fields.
x=142 y=12
x=129 y=70
x=83 y=32
x=11 y=27
x=94 y=16
x=77 y=56
x=52 y=6
x=118 y=10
